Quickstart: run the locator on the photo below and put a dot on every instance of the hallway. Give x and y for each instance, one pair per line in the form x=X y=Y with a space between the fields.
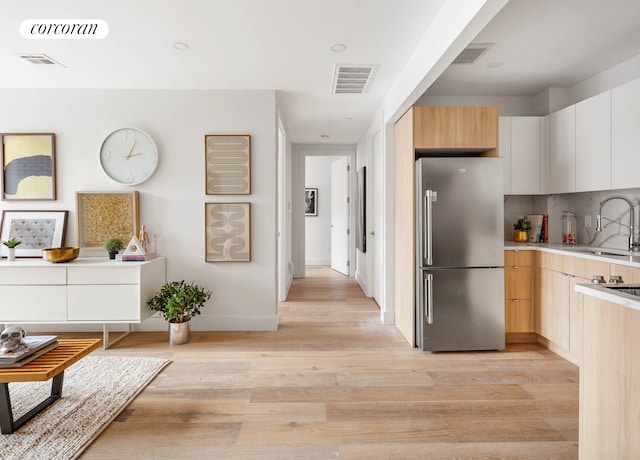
x=334 y=383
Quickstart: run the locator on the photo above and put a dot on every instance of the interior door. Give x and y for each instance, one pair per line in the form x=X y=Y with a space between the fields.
x=374 y=238
x=340 y=215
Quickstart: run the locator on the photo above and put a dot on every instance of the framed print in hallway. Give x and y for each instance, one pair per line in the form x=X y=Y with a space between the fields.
x=28 y=166
x=37 y=230
x=227 y=164
x=102 y=215
x=310 y=201
x=228 y=232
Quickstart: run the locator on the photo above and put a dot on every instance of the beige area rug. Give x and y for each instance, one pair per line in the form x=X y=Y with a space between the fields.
x=95 y=390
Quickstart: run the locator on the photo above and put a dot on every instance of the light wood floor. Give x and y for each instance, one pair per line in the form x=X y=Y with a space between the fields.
x=333 y=383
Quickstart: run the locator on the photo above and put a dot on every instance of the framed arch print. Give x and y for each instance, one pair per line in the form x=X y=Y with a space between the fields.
x=28 y=166
x=227 y=164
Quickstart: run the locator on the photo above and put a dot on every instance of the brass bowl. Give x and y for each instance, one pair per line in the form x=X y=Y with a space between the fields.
x=57 y=255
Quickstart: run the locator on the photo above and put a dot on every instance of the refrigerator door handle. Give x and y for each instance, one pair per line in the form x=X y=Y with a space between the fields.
x=429 y=197
x=429 y=289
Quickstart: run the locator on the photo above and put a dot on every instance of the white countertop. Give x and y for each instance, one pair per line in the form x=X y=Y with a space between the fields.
x=629 y=259
x=601 y=292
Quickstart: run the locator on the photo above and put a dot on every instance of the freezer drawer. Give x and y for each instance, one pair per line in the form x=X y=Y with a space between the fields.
x=460 y=309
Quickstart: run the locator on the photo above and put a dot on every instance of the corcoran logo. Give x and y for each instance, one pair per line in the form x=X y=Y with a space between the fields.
x=64 y=29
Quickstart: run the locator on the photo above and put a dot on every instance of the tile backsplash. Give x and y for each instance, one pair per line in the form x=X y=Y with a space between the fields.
x=615 y=233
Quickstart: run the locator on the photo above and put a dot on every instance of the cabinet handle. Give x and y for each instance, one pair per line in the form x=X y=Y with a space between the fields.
x=515 y=300
x=515 y=266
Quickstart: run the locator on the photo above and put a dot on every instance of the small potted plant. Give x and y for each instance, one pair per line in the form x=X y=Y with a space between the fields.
x=113 y=245
x=11 y=245
x=178 y=302
x=521 y=231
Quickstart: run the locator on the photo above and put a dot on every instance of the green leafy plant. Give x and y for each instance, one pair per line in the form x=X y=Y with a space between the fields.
x=179 y=301
x=113 y=245
x=12 y=243
x=522 y=225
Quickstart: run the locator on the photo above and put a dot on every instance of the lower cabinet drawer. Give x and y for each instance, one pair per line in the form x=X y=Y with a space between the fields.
x=104 y=303
x=518 y=316
x=33 y=304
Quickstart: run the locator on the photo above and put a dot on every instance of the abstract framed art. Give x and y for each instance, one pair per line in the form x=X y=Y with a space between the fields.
x=228 y=232
x=28 y=166
x=103 y=215
x=227 y=164
x=37 y=230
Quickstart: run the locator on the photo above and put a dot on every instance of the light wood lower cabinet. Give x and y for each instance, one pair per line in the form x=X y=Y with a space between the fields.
x=609 y=376
x=518 y=277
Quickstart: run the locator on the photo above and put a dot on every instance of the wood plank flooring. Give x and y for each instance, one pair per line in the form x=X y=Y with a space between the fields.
x=334 y=383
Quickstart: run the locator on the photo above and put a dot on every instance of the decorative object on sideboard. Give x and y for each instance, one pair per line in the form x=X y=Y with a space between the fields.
x=134 y=252
x=521 y=231
x=11 y=245
x=129 y=156
x=227 y=232
x=60 y=255
x=36 y=229
x=113 y=245
x=228 y=164
x=178 y=302
x=28 y=165
x=103 y=215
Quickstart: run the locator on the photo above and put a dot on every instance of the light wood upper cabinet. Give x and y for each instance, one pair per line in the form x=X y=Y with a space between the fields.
x=471 y=129
x=625 y=135
x=593 y=143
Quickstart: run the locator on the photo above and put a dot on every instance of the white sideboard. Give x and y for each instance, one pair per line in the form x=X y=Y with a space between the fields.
x=85 y=290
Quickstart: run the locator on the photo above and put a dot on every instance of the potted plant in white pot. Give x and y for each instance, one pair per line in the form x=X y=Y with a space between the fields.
x=178 y=302
x=11 y=245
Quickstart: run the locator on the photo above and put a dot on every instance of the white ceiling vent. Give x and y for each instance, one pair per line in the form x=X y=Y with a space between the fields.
x=471 y=53
x=40 y=59
x=351 y=79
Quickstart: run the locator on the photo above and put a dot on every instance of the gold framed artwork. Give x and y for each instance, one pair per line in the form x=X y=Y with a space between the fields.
x=227 y=164
x=102 y=215
x=28 y=166
x=228 y=232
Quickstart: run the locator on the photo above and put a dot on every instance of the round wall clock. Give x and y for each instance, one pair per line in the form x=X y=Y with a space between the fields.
x=129 y=156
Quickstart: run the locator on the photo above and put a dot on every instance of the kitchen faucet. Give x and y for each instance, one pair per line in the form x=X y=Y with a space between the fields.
x=633 y=246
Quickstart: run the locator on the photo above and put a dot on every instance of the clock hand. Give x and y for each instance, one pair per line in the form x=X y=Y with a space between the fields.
x=131 y=151
x=134 y=155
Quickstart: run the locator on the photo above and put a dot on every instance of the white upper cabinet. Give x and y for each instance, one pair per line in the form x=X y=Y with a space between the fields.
x=504 y=149
x=625 y=136
x=526 y=154
x=562 y=151
x=593 y=143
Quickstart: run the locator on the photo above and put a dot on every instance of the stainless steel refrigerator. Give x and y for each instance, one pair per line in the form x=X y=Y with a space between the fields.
x=459 y=254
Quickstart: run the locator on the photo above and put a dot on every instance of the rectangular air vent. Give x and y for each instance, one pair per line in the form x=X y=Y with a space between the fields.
x=472 y=53
x=351 y=79
x=40 y=59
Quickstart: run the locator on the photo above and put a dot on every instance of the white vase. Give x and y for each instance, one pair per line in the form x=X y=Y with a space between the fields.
x=12 y=254
x=179 y=333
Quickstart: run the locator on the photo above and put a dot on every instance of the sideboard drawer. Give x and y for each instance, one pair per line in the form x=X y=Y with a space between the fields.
x=104 y=303
x=12 y=275
x=117 y=274
x=36 y=304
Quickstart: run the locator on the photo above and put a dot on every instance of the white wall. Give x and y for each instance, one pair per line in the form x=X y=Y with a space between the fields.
x=172 y=201
x=318 y=228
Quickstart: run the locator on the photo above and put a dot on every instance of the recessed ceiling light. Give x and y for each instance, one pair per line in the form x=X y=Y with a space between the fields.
x=324 y=136
x=495 y=65
x=180 y=46
x=338 y=47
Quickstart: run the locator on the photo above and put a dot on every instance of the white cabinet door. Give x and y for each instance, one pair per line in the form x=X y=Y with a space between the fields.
x=26 y=304
x=104 y=303
x=625 y=135
x=504 y=149
x=562 y=151
x=526 y=153
x=593 y=143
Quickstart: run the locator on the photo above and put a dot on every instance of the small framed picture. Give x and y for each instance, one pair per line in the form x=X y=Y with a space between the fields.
x=37 y=230
x=29 y=166
x=103 y=215
x=227 y=164
x=228 y=232
x=310 y=201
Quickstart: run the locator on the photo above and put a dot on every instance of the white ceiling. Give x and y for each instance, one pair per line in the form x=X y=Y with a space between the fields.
x=285 y=45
